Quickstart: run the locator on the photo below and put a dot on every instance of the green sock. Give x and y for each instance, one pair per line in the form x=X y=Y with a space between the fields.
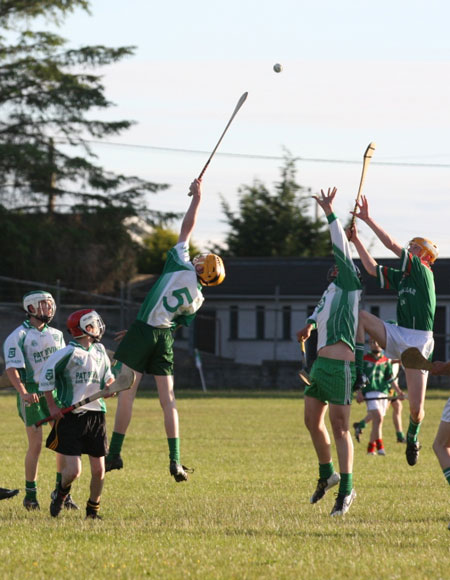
x=346 y=483
x=58 y=478
x=359 y=355
x=447 y=474
x=174 y=448
x=400 y=436
x=30 y=490
x=115 y=447
x=326 y=470
x=413 y=430
x=362 y=424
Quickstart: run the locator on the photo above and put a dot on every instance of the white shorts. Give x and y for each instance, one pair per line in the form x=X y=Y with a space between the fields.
x=399 y=339
x=374 y=403
x=446 y=413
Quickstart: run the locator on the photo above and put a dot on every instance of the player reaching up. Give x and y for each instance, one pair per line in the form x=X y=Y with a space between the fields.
x=333 y=372
x=413 y=281
x=147 y=347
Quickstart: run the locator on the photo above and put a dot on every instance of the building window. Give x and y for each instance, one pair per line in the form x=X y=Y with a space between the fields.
x=260 y=320
x=286 y=323
x=234 y=322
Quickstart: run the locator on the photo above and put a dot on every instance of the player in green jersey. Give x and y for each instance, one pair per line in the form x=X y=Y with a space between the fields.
x=414 y=283
x=333 y=373
x=76 y=372
x=147 y=347
x=379 y=371
x=26 y=349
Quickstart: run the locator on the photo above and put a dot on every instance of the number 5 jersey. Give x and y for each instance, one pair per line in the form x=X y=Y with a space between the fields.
x=176 y=296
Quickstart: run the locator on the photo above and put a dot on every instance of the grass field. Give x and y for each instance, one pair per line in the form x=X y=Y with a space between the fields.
x=244 y=513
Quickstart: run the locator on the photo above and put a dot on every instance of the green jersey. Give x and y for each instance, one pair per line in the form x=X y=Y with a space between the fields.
x=176 y=295
x=414 y=283
x=336 y=315
x=76 y=373
x=27 y=348
x=379 y=372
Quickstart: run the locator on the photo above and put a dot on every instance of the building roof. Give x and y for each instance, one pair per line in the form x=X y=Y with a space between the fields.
x=246 y=277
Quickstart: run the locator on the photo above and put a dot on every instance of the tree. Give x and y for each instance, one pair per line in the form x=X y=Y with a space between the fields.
x=275 y=224
x=46 y=93
x=156 y=245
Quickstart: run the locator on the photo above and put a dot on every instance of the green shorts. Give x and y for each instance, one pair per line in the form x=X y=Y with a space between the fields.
x=332 y=381
x=147 y=349
x=31 y=414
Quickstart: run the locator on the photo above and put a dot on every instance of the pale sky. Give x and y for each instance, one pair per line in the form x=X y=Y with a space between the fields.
x=354 y=72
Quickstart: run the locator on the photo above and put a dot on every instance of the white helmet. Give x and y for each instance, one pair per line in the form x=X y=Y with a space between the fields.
x=33 y=303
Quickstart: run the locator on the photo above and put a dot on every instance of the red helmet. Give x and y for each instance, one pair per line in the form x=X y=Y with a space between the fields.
x=86 y=323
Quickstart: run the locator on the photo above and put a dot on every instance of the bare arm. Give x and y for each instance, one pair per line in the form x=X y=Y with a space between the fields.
x=304 y=333
x=325 y=200
x=369 y=263
x=14 y=377
x=53 y=408
x=190 y=218
x=384 y=237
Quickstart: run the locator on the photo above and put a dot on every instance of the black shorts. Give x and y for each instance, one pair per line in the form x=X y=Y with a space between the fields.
x=79 y=433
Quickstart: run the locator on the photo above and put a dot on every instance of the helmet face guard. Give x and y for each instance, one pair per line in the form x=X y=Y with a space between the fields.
x=429 y=248
x=86 y=323
x=213 y=269
x=40 y=305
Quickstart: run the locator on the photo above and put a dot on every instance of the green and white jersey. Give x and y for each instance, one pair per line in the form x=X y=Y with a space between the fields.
x=336 y=315
x=27 y=348
x=76 y=373
x=176 y=295
x=414 y=283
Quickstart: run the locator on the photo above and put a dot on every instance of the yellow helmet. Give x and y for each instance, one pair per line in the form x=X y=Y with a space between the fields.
x=213 y=269
x=429 y=248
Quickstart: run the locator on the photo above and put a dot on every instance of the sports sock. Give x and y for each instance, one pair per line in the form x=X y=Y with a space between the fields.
x=346 y=483
x=400 y=436
x=174 y=448
x=413 y=430
x=379 y=443
x=326 y=470
x=63 y=491
x=92 y=507
x=58 y=478
x=115 y=446
x=447 y=474
x=31 y=490
x=371 y=447
x=362 y=424
x=359 y=355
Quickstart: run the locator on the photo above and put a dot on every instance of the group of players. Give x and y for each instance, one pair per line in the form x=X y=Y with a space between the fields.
x=342 y=328
x=49 y=375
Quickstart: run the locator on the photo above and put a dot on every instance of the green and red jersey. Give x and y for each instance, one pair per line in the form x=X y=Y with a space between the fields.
x=414 y=284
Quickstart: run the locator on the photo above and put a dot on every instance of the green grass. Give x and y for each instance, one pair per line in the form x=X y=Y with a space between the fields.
x=244 y=513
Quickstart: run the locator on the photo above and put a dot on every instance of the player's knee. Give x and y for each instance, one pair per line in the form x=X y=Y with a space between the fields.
x=72 y=473
x=98 y=472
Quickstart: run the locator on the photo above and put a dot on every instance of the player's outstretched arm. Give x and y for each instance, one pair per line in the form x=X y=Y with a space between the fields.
x=369 y=263
x=325 y=200
x=190 y=218
x=384 y=237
